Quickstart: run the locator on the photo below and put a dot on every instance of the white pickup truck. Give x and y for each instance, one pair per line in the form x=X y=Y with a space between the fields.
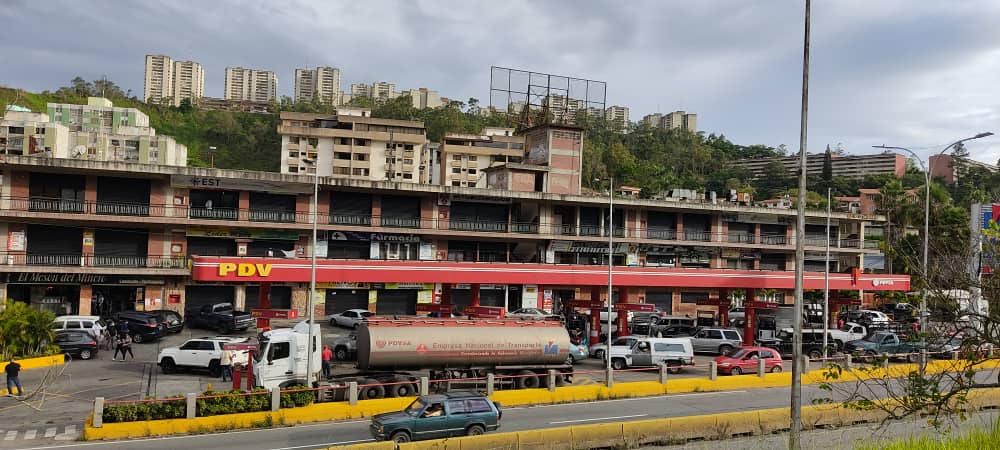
x=849 y=332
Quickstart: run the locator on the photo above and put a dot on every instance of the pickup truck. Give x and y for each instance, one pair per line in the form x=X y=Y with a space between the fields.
x=220 y=317
x=884 y=344
x=849 y=332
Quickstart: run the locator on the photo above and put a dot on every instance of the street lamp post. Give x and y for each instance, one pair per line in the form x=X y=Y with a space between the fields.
x=611 y=238
x=211 y=153
x=927 y=213
x=312 y=275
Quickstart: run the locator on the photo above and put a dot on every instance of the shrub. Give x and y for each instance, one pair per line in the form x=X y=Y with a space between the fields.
x=25 y=332
x=212 y=403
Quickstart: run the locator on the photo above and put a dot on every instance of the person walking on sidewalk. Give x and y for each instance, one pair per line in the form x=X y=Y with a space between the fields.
x=127 y=347
x=119 y=347
x=226 y=361
x=327 y=357
x=13 y=370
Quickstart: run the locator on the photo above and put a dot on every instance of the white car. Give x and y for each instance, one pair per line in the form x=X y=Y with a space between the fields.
x=622 y=344
x=351 y=318
x=532 y=313
x=201 y=353
x=93 y=325
x=737 y=314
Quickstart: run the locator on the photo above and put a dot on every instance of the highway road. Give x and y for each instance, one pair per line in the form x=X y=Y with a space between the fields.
x=320 y=435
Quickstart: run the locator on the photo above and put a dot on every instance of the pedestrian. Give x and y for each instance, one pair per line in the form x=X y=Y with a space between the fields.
x=327 y=357
x=119 y=347
x=127 y=347
x=226 y=361
x=13 y=370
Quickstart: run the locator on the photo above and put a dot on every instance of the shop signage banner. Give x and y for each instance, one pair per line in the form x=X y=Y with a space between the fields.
x=237 y=233
x=75 y=278
x=16 y=241
x=239 y=184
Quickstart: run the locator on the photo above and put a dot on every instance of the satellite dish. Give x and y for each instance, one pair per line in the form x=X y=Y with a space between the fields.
x=79 y=151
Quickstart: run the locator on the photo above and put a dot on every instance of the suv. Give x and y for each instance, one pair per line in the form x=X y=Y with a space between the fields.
x=439 y=416
x=672 y=326
x=812 y=343
x=201 y=353
x=345 y=348
x=716 y=340
x=143 y=327
x=93 y=325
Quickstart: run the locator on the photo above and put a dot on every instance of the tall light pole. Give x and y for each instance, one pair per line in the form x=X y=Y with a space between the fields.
x=795 y=434
x=826 y=277
x=312 y=275
x=211 y=152
x=927 y=213
x=611 y=264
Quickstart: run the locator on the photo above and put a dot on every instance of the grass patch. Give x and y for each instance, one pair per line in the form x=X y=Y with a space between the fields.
x=977 y=439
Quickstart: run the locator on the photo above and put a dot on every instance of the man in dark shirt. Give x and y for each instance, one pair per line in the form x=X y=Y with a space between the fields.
x=13 y=370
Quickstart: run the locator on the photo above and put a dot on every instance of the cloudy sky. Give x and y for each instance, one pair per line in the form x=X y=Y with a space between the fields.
x=896 y=72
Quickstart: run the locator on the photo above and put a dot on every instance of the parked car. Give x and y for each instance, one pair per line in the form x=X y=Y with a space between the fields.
x=886 y=344
x=438 y=416
x=170 y=320
x=716 y=340
x=77 y=343
x=812 y=343
x=351 y=318
x=744 y=360
x=673 y=326
x=93 y=325
x=868 y=318
x=534 y=314
x=577 y=352
x=600 y=350
x=143 y=327
x=899 y=311
x=220 y=317
x=737 y=314
x=199 y=354
x=648 y=352
x=345 y=348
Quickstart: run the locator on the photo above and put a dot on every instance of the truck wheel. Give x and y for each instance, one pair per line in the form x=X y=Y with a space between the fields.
x=340 y=353
x=404 y=389
x=372 y=391
x=618 y=364
x=167 y=366
x=911 y=358
x=214 y=369
x=599 y=354
x=527 y=380
x=474 y=430
x=815 y=354
x=673 y=367
x=724 y=349
x=400 y=437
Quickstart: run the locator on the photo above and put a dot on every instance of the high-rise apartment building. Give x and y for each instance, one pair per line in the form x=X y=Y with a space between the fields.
x=188 y=82
x=251 y=84
x=379 y=90
x=424 y=98
x=173 y=80
x=352 y=144
x=617 y=115
x=652 y=120
x=159 y=78
x=680 y=119
x=322 y=81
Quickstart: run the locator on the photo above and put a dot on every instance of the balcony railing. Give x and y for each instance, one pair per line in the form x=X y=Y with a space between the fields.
x=773 y=239
x=590 y=230
x=476 y=225
x=400 y=222
x=214 y=213
x=527 y=228
x=55 y=205
x=697 y=235
x=661 y=233
x=122 y=208
x=742 y=238
x=260 y=215
x=80 y=260
x=351 y=219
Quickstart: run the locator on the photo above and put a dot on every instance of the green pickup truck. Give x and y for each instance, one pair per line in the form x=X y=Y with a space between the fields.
x=887 y=344
x=438 y=416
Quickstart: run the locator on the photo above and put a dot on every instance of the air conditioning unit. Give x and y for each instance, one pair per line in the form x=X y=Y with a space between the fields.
x=444 y=200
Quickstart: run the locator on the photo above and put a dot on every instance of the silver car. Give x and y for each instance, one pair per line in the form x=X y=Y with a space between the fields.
x=345 y=348
x=716 y=340
x=532 y=313
x=351 y=318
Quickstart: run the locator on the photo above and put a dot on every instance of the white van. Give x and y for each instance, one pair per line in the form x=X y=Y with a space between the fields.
x=92 y=324
x=649 y=352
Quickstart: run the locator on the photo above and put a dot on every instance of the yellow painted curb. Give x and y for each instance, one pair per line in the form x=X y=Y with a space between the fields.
x=667 y=430
x=34 y=363
x=324 y=412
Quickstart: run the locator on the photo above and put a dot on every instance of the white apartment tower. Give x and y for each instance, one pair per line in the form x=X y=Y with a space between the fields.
x=617 y=115
x=251 y=85
x=159 y=80
x=188 y=81
x=322 y=80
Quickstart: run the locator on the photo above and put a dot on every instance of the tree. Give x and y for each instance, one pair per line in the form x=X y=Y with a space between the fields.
x=185 y=105
x=826 y=176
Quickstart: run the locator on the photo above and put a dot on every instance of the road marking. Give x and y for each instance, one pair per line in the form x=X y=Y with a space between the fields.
x=636 y=399
x=50 y=431
x=30 y=434
x=324 y=445
x=10 y=436
x=598 y=418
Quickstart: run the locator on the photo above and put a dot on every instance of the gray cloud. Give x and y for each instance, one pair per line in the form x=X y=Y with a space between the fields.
x=917 y=74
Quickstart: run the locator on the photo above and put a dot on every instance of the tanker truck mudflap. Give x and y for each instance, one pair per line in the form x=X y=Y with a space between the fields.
x=282 y=359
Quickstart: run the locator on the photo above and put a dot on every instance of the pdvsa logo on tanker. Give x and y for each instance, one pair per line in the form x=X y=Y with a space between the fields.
x=392 y=343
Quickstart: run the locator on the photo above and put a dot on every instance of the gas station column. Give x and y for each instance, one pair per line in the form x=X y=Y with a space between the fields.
x=622 y=315
x=474 y=294
x=749 y=317
x=595 y=316
x=446 y=296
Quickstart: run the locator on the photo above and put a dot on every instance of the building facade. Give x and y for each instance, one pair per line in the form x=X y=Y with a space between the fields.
x=424 y=98
x=251 y=84
x=618 y=116
x=951 y=169
x=23 y=132
x=322 y=81
x=188 y=82
x=89 y=237
x=158 y=83
x=465 y=157
x=850 y=166
x=351 y=144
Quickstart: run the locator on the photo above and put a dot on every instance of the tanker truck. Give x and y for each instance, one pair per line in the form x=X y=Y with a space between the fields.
x=390 y=351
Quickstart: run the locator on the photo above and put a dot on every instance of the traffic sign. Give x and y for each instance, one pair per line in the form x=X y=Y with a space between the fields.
x=274 y=313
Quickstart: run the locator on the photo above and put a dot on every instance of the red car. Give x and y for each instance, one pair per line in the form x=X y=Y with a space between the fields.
x=744 y=360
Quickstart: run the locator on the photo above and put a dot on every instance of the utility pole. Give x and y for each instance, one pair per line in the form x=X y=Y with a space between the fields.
x=795 y=434
x=826 y=277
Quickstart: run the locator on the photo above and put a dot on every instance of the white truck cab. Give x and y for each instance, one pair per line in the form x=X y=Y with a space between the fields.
x=647 y=352
x=282 y=361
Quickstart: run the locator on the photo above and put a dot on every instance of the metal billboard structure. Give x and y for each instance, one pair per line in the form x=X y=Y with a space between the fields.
x=534 y=98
